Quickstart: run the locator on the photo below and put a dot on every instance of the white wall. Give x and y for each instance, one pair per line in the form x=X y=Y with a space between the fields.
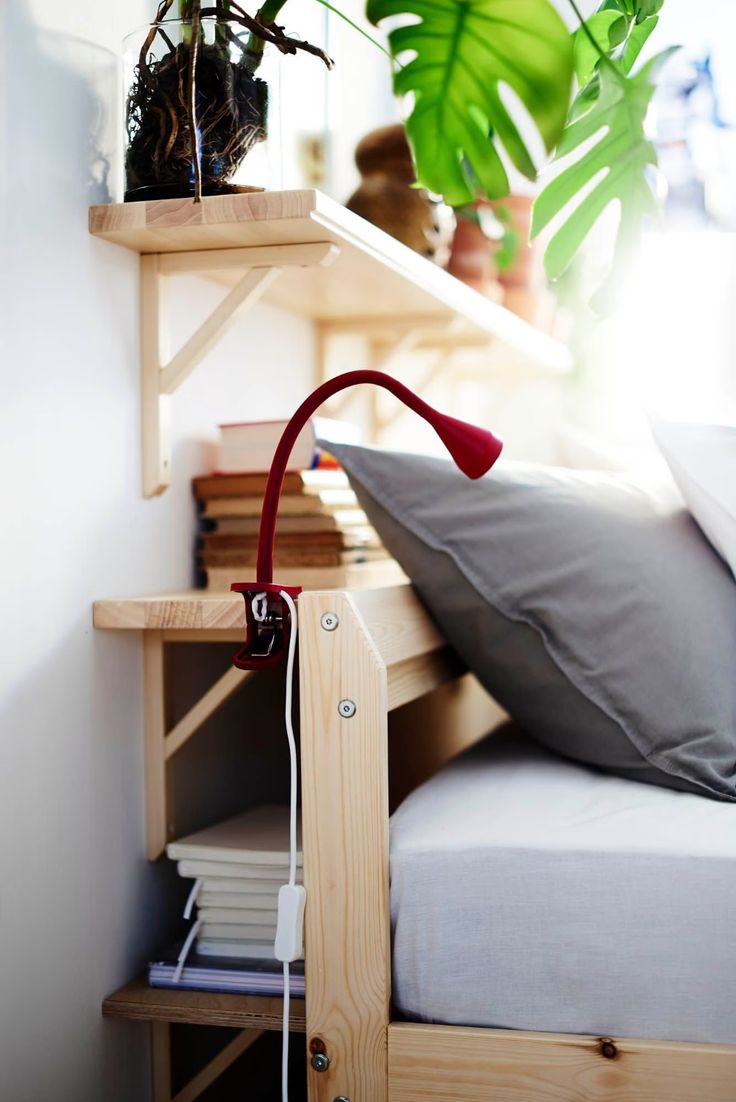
x=80 y=908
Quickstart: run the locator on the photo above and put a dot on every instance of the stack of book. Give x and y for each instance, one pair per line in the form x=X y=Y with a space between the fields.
x=238 y=867
x=320 y=525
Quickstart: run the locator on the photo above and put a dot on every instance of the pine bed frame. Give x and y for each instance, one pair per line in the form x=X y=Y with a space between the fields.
x=382 y=697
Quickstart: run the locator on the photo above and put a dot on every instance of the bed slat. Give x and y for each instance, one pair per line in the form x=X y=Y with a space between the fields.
x=430 y=1063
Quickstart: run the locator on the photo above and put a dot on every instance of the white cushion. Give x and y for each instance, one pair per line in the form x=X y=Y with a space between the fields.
x=702 y=459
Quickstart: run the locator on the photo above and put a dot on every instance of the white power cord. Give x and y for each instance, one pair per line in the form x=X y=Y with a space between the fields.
x=289 y=933
x=289 y=944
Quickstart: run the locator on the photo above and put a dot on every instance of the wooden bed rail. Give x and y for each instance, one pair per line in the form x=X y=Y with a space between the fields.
x=364 y=655
x=416 y=657
x=361 y=655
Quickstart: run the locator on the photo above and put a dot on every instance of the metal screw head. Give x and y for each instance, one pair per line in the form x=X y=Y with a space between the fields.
x=329 y=620
x=347 y=709
x=320 y=1062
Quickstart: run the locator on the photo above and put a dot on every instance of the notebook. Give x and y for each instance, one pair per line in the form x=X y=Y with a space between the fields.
x=259 y=837
x=234 y=974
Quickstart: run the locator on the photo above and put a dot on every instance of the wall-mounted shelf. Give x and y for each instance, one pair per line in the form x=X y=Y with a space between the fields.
x=304 y=252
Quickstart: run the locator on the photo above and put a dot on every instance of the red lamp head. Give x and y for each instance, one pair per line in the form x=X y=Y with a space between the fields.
x=474 y=450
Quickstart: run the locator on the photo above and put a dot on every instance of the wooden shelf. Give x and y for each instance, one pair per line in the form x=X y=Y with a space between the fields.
x=212 y=611
x=308 y=254
x=139 y=1002
x=372 y=276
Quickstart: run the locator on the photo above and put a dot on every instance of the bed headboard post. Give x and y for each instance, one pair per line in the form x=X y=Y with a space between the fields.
x=344 y=765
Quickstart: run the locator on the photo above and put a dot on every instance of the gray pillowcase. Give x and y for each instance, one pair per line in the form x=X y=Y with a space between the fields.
x=592 y=609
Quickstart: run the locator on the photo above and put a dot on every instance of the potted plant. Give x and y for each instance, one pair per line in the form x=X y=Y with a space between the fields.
x=197 y=108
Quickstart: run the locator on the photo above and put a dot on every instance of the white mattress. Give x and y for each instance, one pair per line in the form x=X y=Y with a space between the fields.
x=528 y=892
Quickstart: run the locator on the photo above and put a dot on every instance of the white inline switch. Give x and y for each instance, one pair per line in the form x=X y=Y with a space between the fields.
x=289 y=944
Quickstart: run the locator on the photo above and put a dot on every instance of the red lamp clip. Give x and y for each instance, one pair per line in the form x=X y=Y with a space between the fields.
x=267 y=616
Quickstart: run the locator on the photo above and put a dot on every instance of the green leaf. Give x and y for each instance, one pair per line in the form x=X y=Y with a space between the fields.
x=613 y=167
x=608 y=28
x=584 y=99
x=463 y=50
x=645 y=9
x=635 y=43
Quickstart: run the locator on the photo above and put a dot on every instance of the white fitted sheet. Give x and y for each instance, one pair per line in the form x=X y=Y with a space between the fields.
x=528 y=892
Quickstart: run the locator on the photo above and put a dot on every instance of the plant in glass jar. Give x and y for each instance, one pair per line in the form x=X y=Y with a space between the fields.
x=197 y=104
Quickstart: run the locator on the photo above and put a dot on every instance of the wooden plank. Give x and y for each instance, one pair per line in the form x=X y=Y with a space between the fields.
x=155 y=406
x=206 y=706
x=160 y=1062
x=375 y=276
x=193 y=610
x=154 y=720
x=218 y=1065
x=345 y=839
x=419 y=675
x=398 y=624
x=268 y=256
x=446 y=1063
x=139 y=1002
x=429 y=731
x=216 y=610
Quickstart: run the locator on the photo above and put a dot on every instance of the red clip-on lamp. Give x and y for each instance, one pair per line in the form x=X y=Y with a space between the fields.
x=474 y=450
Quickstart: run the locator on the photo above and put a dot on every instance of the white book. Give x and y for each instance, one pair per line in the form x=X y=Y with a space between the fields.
x=233 y=885
x=270 y=877
x=250 y=445
x=256 y=950
x=238 y=916
x=257 y=837
x=229 y=931
x=260 y=902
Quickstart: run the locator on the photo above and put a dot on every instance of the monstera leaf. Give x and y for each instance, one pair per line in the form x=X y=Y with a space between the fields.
x=613 y=167
x=464 y=51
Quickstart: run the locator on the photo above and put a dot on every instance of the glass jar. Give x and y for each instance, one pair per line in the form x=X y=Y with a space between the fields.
x=233 y=99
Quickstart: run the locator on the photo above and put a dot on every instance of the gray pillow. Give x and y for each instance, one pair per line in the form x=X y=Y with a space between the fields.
x=591 y=608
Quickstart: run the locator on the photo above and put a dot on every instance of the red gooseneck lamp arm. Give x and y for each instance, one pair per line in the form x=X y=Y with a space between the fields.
x=474 y=450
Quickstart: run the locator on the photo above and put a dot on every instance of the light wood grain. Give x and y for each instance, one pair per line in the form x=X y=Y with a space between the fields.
x=206 y=706
x=155 y=406
x=345 y=839
x=374 y=275
x=429 y=731
x=416 y=676
x=447 y=1064
x=214 y=610
x=154 y=721
x=264 y=256
x=139 y=1002
x=160 y=1062
x=398 y=624
x=363 y=575
x=217 y=1065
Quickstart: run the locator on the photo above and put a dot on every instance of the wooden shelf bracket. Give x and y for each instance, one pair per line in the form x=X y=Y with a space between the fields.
x=161 y=374
x=195 y=1088
x=163 y=743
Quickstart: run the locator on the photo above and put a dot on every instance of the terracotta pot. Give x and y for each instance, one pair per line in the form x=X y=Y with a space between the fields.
x=387 y=199
x=526 y=269
x=471 y=259
x=520 y=287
